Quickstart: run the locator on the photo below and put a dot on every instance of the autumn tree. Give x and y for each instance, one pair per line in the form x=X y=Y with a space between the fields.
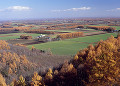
x=4 y=45
x=36 y=80
x=21 y=81
x=48 y=75
x=70 y=35
x=2 y=81
x=102 y=62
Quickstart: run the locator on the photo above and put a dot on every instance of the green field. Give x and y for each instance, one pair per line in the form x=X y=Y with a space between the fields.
x=64 y=47
x=70 y=31
x=71 y=46
x=34 y=27
x=117 y=27
x=11 y=34
x=9 y=37
x=17 y=35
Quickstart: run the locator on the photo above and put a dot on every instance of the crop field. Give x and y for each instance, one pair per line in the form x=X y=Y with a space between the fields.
x=69 y=31
x=71 y=46
x=16 y=35
x=88 y=30
x=9 y=37
x=11 y=34
x=60 y=47
x=63 y=47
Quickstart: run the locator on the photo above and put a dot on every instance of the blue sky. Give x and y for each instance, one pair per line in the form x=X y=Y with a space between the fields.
x=37 y=9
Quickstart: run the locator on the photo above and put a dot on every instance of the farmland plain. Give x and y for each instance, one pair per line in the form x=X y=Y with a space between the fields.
x=62 y=47
x=71 y=46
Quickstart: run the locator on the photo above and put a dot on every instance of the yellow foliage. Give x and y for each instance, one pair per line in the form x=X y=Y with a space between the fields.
x=76 y=57
x=50 y=70
x=96 y=75
x=21 y=81
x=102 y=60
x=36 y=80
x=110 y=79
x=4 y=45
x=49 y=74
x=2 y=81
x=10 y=71
x=18 y=44
x=36 y=77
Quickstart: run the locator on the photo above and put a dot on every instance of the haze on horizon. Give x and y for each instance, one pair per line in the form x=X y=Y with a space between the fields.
x=37 y=9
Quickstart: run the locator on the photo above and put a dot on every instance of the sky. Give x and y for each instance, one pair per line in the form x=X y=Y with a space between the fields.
x=39 y=9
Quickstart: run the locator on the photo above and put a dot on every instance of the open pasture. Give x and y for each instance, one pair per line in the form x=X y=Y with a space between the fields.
x=71 y=46
x=67 y=31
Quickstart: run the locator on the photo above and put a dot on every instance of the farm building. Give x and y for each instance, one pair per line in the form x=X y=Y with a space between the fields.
x=40 y=36
x=44 y=39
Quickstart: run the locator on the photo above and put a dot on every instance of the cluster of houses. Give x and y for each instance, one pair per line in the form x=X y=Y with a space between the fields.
x=44 y=38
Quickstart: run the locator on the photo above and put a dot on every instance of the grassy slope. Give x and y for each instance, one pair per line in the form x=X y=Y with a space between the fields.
x=71 y=46
x=9 y=37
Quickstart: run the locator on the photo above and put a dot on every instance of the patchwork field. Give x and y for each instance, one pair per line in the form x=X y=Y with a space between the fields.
x=63 y=47
x=71 y=46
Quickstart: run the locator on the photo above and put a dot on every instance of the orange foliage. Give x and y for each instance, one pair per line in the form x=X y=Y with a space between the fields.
x=15 y=28
x=15 y=62
x=39 y=31
x=18 y=44
x=102 y=61
x=4 y=45
x=67 y=67
x=36 y=80
x=64 y=26
x=48 y=75
x=105 y=28
x=2 y=81
x=21 y=81
x=70 y=35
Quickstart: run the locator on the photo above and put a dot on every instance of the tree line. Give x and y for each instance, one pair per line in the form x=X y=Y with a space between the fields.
x=70 y=35
x=39 y=31
x=104 y=28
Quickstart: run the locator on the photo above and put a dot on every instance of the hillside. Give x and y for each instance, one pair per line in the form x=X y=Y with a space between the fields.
x=95 y=65
x=16 y=60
